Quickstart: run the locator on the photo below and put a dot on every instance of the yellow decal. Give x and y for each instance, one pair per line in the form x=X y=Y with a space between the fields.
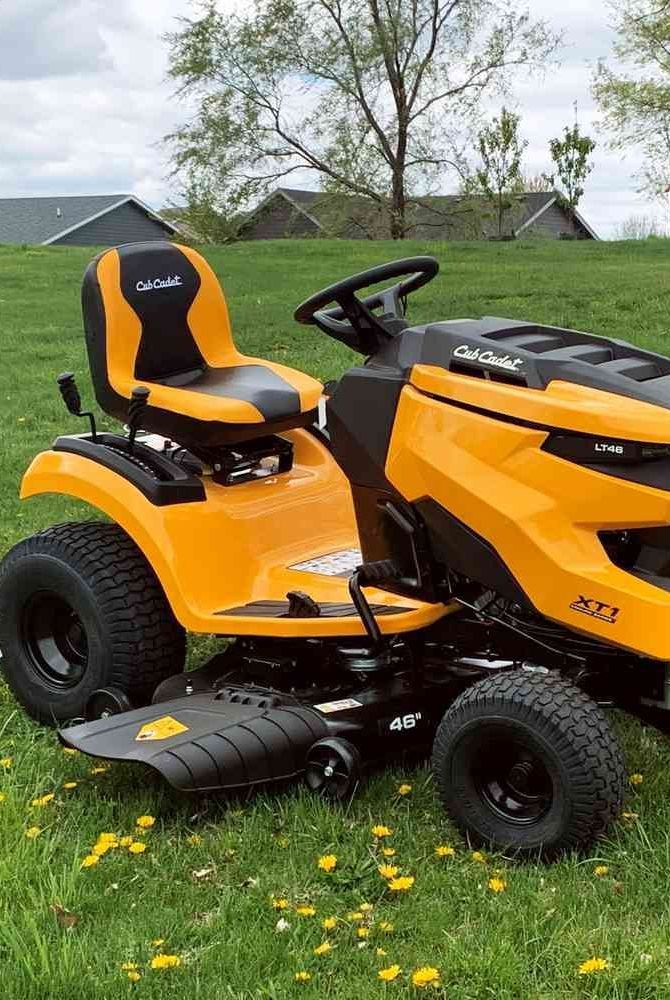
x=161 y=729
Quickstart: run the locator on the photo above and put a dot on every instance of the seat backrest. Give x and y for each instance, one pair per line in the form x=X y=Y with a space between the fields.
x=152 y=312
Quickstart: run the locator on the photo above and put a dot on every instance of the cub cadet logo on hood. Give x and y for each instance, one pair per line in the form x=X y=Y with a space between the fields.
x=505 y=361
x=151 y=284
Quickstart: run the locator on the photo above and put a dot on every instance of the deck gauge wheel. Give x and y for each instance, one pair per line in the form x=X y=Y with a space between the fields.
x=333 y=768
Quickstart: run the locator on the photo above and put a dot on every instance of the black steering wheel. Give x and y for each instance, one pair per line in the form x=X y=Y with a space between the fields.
x=352 y=320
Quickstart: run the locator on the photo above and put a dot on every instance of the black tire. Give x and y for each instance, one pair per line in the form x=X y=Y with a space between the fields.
x=527 y=762
x=82 y=609
x=333 y=768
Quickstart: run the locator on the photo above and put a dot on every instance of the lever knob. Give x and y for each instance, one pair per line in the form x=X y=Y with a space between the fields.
x=138 y=401
x=70 y=392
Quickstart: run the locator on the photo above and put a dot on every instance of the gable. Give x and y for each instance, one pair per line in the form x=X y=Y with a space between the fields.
x=276 y=220
x=126 y=224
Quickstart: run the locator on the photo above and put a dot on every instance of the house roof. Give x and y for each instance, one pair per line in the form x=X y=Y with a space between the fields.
x=45 y=220
x=458 y=216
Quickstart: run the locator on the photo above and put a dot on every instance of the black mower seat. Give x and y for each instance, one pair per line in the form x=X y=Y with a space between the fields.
x=155 y=315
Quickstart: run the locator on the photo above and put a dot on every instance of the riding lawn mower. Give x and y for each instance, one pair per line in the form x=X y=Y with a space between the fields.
x=461 y=548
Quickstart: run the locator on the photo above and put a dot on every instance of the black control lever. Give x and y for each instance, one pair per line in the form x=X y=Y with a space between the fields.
x=368 y=575
x=139 y=398
x=70 y=393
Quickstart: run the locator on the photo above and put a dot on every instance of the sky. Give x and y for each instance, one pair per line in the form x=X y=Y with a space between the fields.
x=84 y=101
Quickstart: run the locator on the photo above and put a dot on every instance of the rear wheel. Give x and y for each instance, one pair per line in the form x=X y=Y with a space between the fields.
x=81 y=609
x=527 y=762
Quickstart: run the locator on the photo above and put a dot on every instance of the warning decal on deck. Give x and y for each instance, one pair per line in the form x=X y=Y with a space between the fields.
x=160 y=729
x=338 y=706
x=341 y=563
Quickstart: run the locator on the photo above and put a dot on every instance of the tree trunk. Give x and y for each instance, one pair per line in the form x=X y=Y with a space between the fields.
x=398 y=205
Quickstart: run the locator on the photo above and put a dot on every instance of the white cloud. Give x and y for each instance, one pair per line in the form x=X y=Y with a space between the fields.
x=84 y=100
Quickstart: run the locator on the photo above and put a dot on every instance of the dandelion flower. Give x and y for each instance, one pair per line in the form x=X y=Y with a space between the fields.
x=630 y=816
x=145 y=822
x=33 y=831
x=100 y=769
x=5 y=763
x=329 y=923
x=593 y=965
x=2 y=796
x=356 y=915
x=380 y=831
x=362 y=932
x=137 y=847
x=100 y=849
x=69 y=785
x=90 y=860
x=479 y=857
x=305 y=911
x=70 y=751
x=327 y=862
x=380 y=952
x=402 y=884
x=367 y=907
x=444 y=851
x=133 y=976
x=388 y=852
x=636 y=779
x=44 y=800
x=129 y=967
x=426 y=976
x=107 y=838
x=388 y=871
x=303 y=977
x=404 y=789
x=279 y=903
x=126 y=841
x=497 y=884
x=386 y=927
x=600 y=870
x=323 y=948
x=193 y=840
x=165 y=962
x=157 y=942
x=389 y=974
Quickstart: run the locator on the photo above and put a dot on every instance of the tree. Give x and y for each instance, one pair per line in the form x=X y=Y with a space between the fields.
x=571 y=159
x=636 y=108
x=368 y=95
x=640 y=227
x=500 y=149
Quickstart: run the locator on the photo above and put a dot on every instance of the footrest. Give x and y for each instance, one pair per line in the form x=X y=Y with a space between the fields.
x=327 y=609
x=206 y=742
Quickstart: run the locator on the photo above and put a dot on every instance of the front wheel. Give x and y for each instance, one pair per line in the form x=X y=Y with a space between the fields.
x=81 y=609
x=527 y=762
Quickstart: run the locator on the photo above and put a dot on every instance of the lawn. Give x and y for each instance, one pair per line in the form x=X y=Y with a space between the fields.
x=203 y=885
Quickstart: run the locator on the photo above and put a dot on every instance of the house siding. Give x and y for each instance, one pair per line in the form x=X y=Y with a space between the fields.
x=278 y=220
x=551 y=224
x=125 y=224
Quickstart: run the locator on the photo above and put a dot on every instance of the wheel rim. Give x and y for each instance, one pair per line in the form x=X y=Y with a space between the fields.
x=55 y=640
x=513 y=780
x=328 y=773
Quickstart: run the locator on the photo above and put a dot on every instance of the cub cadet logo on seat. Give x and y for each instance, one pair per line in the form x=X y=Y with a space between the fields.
x=160 y=729
x=505 y=361
x=596 y=609
x=151 y=284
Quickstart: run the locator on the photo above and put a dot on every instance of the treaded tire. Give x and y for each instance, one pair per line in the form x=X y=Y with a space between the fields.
x=579 y=775
x=132 y=640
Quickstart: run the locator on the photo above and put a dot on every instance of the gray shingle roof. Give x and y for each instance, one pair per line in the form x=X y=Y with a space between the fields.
x=37 y=220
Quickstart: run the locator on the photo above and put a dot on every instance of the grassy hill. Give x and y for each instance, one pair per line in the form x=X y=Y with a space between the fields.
x=203 y=884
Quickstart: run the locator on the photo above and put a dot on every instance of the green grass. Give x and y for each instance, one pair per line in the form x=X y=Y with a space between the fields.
x=526 y=942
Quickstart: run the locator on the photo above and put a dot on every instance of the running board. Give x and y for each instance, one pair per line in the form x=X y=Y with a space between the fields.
x=204 y=743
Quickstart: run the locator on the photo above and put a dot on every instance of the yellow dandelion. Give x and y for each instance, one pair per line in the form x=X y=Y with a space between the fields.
x=404 y=789
x=70 y=751
x=33 y=831
x=381 y=831
x=303 y=977
x=6 y=763
x=593 y=965
x=367 y=907
x=386 y=927
x=157 y=942
x=43 y=800
x=497 y=884
x=89 y=861
x=444 y=851
x=323 y=948
x=327 y=862
x=427 y=975
x=402 y=884
x=2 y=796
x=107 y=838
x=388 y=871
x=69 y=785
x=100 y=849
x=165 y=962
x=380 y=952
x=355 y=915
x=630 y=815
x=305 y=910
x=137 y=847
x=193 y=839
x=600 y=870
x=145 y=822
x=329 y=923
x=389 y=974
x=479 y=857
x=100 y=769
x=279 y=903
x=133 y=976
x=388 y=852
x=126 y=841
x=362 y=932
x=636 y=779
x=129 y=967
